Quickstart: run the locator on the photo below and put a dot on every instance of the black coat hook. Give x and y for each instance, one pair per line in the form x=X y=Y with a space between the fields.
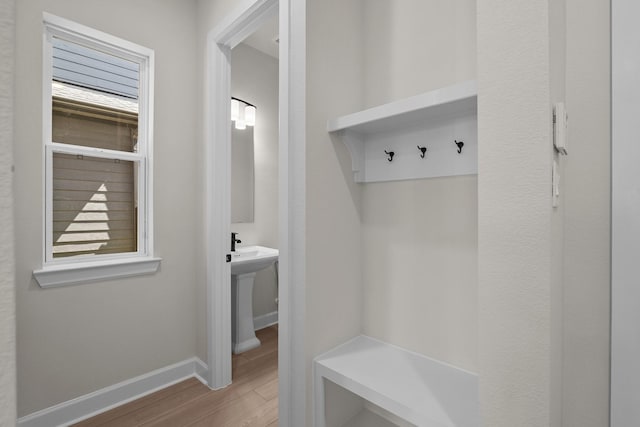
x=423 y=151
x=390 y=154
x=460 y=144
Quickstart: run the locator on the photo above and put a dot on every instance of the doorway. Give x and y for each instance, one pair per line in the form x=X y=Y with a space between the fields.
x=254 y=208
x=291 y=358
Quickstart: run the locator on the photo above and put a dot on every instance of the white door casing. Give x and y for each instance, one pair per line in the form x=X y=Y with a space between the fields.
x=231 y=31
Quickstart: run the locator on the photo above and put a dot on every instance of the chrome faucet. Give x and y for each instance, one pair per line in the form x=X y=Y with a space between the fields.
x=234 y=241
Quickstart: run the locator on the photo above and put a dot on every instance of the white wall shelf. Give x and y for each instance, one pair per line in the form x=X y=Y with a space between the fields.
x=420 y=390
x=433 y=119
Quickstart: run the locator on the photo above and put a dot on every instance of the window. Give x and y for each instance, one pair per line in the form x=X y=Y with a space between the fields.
x=97 y=145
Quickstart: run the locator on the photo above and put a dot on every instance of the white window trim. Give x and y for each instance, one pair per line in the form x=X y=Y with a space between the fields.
x=64 y=271
x=62 y=275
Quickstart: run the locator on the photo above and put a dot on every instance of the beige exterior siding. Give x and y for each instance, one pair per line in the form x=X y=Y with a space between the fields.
x=94 y=208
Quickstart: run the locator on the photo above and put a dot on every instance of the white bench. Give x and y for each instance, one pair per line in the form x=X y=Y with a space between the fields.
x=415 y=388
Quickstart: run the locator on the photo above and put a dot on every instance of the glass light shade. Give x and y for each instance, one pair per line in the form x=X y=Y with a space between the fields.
x=235 y=110
x=241 y=124
x=250 y=115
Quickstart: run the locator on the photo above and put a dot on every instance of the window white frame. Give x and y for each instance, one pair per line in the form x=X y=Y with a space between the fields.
x=63 y=271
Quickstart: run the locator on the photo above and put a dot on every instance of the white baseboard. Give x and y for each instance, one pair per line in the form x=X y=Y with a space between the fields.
x=99 y=401
x=266 y=320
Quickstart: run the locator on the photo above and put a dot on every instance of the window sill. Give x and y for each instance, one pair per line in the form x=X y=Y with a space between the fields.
x=72 y=274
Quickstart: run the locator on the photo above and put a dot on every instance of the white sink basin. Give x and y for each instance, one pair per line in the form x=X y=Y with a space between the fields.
x=249 y=259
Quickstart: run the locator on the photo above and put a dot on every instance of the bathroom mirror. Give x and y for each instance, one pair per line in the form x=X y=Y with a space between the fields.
x=242 y=175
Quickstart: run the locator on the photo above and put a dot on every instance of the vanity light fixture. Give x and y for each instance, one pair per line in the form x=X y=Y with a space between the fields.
x=242 y=113
x=235 y=109
x=250 y=115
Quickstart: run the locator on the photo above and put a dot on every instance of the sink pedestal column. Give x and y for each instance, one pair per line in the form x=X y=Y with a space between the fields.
x=242 y=333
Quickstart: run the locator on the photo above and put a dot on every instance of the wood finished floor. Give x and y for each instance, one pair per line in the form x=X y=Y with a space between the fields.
x=250 y=401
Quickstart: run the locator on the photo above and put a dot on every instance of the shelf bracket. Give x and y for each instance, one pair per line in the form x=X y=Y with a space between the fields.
x=355 y=145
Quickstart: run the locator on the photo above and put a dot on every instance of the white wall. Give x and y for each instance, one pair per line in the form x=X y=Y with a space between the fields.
x=394 y=260
x=587 y=216
x=333 y=276
x=415 y=46
x=7 y=282
x=254 y=78
x=152 y=317
x=518 y=324
x=543 y=273
x=420 y=266
x=419 y=245
x=74 y=340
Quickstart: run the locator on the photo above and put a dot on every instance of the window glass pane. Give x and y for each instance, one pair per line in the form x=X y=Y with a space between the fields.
x=88 y=126
x=95 y=98
x=94 y=208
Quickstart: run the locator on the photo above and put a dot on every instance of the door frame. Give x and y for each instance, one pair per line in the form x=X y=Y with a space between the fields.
x=291 y=185
x=625 y=213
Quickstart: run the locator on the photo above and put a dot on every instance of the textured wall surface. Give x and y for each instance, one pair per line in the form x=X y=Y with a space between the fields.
x=557 y=77
x=514 y=213
x=587 y=216
x=77 y=339
x=7 y=273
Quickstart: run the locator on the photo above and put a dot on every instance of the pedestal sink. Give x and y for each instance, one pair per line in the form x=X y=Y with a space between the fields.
x=245 y=262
